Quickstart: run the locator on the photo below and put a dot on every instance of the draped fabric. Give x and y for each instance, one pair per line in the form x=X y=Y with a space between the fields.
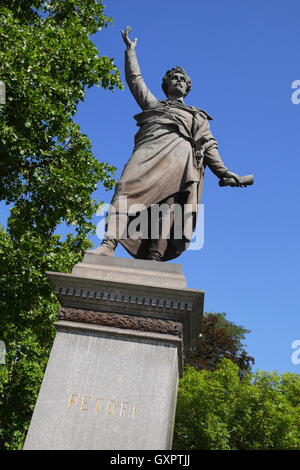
x=172 y=148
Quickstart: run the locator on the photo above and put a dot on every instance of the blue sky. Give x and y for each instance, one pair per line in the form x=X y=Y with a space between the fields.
x=242 y=58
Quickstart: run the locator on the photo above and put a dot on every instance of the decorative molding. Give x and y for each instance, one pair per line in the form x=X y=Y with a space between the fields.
x=122 y=321
x=122 y=298
x=135 y=300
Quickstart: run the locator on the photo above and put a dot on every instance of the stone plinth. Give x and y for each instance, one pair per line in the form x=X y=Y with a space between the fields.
x=107 y=388
x=135 y=271
x=111 y=380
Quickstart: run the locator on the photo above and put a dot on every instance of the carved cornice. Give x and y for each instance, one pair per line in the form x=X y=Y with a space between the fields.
x=135 y=300
x=123 y=298
x=115 y=320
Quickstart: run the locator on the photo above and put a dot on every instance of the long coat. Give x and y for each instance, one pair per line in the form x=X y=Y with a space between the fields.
x=172 y=148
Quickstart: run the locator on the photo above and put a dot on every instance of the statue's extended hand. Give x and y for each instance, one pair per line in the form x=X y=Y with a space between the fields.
x=235 y=177
x=129 y=44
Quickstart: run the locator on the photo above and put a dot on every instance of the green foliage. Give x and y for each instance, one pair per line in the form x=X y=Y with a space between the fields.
x=218 y=410
x=47 y=63
x=48 y=173
x=220 y=339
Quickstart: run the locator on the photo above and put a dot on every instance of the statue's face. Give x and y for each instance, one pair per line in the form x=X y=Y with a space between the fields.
x=177 y=85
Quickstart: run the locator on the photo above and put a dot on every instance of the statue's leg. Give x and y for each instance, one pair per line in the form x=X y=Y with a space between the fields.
x=115 y=225
x=158 y=246
x=157 y=249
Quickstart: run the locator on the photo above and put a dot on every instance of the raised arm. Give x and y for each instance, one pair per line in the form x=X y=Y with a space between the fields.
x=134 y=79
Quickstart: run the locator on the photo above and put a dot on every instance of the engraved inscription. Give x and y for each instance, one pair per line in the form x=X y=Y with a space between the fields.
x=98 y=400
x=102 y=405
x=111 y=407
x=84 y=403
x=73 y=399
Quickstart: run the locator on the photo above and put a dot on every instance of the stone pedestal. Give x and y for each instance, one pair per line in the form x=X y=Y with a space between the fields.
x=112 y=376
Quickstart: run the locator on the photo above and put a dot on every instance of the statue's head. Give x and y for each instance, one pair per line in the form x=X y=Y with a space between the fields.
x=176 y=82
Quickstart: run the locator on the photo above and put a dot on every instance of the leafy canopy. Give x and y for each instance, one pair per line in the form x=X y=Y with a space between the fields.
x=47 y=168
x=48 y=173
x=218 y=410
x=220 y=339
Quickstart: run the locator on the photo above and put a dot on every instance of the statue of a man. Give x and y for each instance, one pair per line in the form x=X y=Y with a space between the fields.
x=172 y=148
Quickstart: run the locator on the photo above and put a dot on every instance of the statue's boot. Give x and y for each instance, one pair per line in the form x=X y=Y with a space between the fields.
x=107 y=247
x=116 y=223
x=157 y=249
x=154 y=255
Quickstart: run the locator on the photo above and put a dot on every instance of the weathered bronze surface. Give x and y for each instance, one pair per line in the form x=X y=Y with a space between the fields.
x=172 y=148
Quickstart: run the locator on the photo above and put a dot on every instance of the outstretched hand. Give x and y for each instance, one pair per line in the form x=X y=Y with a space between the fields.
x=129 y=44
x=235 y=177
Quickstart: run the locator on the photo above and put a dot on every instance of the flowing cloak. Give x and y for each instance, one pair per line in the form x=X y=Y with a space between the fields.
x=172 y=148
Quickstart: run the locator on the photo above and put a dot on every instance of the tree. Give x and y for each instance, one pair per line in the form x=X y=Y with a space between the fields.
x=220 y=339
x=218 y=410
x=48 y=173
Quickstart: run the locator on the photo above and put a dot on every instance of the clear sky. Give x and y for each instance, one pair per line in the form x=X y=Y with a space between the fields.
x=242 y=58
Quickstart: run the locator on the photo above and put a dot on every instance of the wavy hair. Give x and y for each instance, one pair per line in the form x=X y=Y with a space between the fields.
x=169 y=74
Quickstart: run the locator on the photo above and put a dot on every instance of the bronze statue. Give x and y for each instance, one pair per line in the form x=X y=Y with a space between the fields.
x=172 y=148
